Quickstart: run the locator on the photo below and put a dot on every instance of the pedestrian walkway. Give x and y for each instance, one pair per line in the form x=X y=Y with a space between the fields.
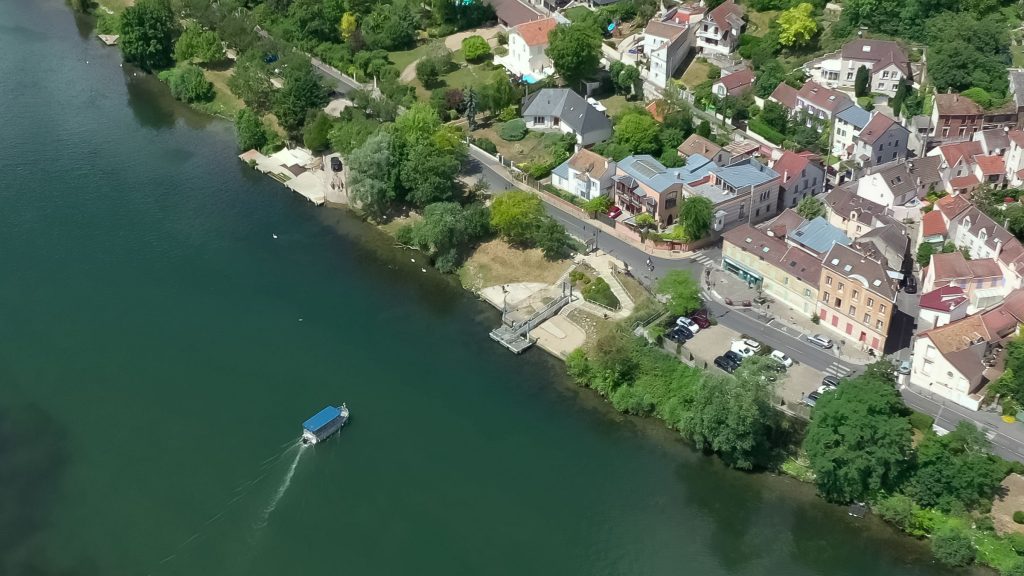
x=838 y=370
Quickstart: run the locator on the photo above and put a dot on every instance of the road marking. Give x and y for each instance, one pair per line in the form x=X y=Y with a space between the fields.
x=707 y=262
x=838 y=370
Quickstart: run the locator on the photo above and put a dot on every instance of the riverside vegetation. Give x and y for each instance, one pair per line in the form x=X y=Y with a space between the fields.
x=860 y=443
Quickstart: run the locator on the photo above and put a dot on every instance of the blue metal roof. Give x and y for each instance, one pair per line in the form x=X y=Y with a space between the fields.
x=648 y=171
x=819 y=235
x=562 y=170
x=749 y=173
x=855 y=115
x=322 y=418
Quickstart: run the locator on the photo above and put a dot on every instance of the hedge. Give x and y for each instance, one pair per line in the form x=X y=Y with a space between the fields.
x=600 y=292
x=513 y=130
x=765 y=131
x=485 y=145
x=921 y=421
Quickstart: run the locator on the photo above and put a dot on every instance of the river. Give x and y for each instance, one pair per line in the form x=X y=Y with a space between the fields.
x=160 y=349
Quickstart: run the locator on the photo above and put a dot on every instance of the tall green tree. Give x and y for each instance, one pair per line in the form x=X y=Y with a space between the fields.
x=315 y=134
x=148 y=31
x=446 y=232
x=575 y=51
x=198 y=45
x=682 y=291
x=303 y=91
x=391 y=26
x=862 y=82
x=797 y=25
x=371 y=180
x=188 y=83
x=769 y=76
x=695 y=216
x=252 y=133
x=924 y=253
x=859 y=439
x=735 y=416
x=251 y=82
x=638 y=132
x=515 y=215
x=956 y=471
x=811 y=208
x=428 y=172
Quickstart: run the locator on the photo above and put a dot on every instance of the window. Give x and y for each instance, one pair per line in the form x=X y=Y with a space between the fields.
x=878 y=324
x=853 y=311
x=856 y=294
x=785 y=280
x=871 y=302
x=828 y=280
x=878 y=160
x=945 y=132
x=849 y=75
x=839 y=303
x=538 y=119
x=881 y=308
x=963 y=130
x=885 y=74
x=858 y=228
x=807 y=292
x=840 y=286
x=867 y=319
x=826 y=298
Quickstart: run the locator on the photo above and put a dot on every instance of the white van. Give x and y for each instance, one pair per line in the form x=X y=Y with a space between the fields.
x=742 y=348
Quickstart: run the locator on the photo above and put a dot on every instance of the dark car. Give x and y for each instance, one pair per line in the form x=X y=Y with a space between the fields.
x=812 y=398
x=335 y=164
x=679 y=334
x=830 y=381
x=911 y=285
x=686 y=332
x=733 y=357
x=700 y=318
x=725 y=364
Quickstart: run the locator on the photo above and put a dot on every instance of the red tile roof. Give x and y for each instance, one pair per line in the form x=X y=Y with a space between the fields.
x=726 y=13
x=964 y=182
x=824 y=98
x=961 y=151
x=951 y=206
x=1017 y=136
x=737 y=81
x=944 y=299
x=949 y=266
x=790 y=164
x=955 y=105
x=697 y=144
x=785 y=94
x=932 y=224
x=990 y=165
x=878 y=125
x=536 y=33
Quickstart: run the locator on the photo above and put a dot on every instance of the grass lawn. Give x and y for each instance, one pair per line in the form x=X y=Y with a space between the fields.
x=576 y=12
x=616 y=104
x=760 y=21
x=470 y=75
x=1017 y=53
x=405 y=57
x=225 y=102
x=695 y=73
x=496 y=262
x=530 y=149
x=116 y=6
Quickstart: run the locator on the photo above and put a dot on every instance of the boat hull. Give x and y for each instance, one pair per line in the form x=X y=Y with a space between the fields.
x=328 y=429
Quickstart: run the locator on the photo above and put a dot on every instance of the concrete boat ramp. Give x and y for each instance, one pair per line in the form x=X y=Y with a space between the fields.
x=302 y=172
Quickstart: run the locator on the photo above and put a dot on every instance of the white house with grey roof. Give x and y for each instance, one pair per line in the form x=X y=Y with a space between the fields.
x=885 y=60
x=565 y=110
x=848 y=123
x=586 y=174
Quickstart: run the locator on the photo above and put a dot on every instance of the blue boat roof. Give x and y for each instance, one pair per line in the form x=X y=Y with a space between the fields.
x=322 y=418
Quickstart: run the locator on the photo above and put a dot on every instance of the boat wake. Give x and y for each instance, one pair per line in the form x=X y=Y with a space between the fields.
x=285 y=483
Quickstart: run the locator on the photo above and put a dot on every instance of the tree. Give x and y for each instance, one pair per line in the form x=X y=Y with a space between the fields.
x=734 y=416
x=475 y=48
x=1009 y=383
x=769 y=77
x=198 y=45
x=638 y=132
x=252 y=133
x=695 y=215
x=775 y=116
x=551 y=238
x=645 y=221
x=952 y=546
x=428 y=72
x=347 y=26
x=303 y=91
x=446 y=231
x=515 y=216
x=188 y=83
x=859 y=439
x=315 y=134
x=924 y=253
x=428 y=172
x=955 y=471
x=391 y=26
x=704 y=129
x=371 y=180
x=624 y=77
x=682 y=291
x=575 y=51
x=148 y=31
x=351 y=130
x=811 y=208
x=797 y=25
x=597 y=204
x=251 y=82
x=862 y=82
x=499 y=94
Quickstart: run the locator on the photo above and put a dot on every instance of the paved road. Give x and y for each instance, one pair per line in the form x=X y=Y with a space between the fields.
x=1007 y=439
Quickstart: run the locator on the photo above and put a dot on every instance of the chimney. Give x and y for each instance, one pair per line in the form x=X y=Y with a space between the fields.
x=785 y=176
x=999 y=246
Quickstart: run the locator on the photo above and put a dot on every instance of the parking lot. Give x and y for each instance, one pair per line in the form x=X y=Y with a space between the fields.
x=711 y=342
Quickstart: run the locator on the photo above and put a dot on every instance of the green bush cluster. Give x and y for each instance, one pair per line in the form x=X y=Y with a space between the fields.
x=599 y=292
x=188 y=83
x=921 y=421
x=513 y=130
x=485 y=145
x=757 y=126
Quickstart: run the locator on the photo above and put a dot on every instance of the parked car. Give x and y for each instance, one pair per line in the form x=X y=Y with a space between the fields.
x=781 y=358
x=911 y=285
x=724 y=363
x=819 y=340
x=614 y=212
x=740 y=347
x=684 y=321
x=700 y=317
x=812 y=398
x=752 y=344
x=830 y=382
x=683 y=331
x=733 y=357
x=675 y=336
x=904 y=367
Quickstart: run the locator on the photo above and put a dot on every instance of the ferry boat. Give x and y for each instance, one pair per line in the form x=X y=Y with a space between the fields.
x=324 y=423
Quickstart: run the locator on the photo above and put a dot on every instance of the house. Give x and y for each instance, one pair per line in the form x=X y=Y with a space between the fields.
x=666 y=43
x=954 y=360
x=697 y=144
x=982 y=279
x=788 y=274
x=734 y=84
x=1016 y=78
x=892 y=241
x=933 y=229
x=856 y=297
x=1014 y=158
x=853 y=214
x=964 y=166
x=802 y=176
x=565 y=110
x=889 y=184
x=642 y=184
x=885 y=60
x=942 y=306
x=720 y=29
x=882 y=140
x=512 y=13
x=847 y=125
x=743 y=191
x=816 y=237
x=982 y=237
x=994 y=141
x=586 y=174
x=527 y=46
x=956 y=118
x=814 y=101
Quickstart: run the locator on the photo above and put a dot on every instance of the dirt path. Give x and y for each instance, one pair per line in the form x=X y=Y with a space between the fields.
x=453 y=43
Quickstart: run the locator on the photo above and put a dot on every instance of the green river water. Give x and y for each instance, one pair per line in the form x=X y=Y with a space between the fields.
x=160 y=350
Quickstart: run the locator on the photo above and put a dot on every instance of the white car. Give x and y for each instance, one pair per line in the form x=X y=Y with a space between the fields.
x=781 y=358
x=740 y=347
x=752 y=344
x=684 y=321
x=820 y=341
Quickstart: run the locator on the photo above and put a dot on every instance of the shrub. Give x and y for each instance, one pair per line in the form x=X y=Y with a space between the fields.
x=1018 y=516
x=815 y=319
x=513 y=130
x=757 y=126
x=507 y=113
x=475 y=48
x=952 y=546
x=600 y=292
x=921 y=421
x=485 y=145
x=188 y=83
